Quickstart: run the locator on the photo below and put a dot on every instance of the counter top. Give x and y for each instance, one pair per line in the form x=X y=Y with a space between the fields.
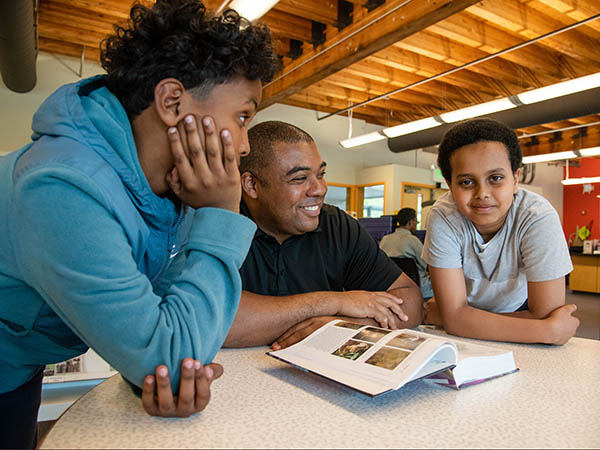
x=552 y=402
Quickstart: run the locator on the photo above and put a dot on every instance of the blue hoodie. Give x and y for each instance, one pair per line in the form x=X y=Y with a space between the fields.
x=90 y=256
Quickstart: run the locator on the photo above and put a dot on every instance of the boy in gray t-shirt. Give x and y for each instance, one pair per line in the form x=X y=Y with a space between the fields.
x=497 y=254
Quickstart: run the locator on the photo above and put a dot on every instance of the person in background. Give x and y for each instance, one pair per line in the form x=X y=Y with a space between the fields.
x=403 y=243
x=496 y=253
x=120 y=219
x=309 y=262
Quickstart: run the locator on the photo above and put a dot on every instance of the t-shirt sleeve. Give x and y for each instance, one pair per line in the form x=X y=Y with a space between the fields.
x=442 y=248
x=367 y=267
x=544 y=249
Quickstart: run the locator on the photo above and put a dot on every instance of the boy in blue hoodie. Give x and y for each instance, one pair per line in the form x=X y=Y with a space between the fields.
x=119 y=220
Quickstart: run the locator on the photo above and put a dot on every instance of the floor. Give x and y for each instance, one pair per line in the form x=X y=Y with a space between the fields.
x=588 y=312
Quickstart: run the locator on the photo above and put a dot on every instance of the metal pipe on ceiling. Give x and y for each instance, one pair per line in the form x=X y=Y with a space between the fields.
x=561 y=108
x=18 y=49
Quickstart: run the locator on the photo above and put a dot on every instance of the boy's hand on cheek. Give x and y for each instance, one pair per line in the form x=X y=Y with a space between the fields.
x=206 y=171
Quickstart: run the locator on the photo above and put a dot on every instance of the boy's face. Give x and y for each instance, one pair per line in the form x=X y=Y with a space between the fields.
x=483 y=184
x=293 y=192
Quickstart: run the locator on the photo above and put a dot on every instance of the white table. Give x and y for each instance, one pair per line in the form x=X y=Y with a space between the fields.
x=553 y=401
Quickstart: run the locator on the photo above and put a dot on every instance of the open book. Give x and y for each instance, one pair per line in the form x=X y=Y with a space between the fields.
x=376 y=360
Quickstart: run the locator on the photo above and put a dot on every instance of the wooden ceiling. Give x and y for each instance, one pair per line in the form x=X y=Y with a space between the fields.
x=439 y=53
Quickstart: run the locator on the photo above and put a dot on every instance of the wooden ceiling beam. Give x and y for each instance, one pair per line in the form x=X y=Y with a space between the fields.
x=576 y=10
x=373 y=88
x=400 y=79
x=66 y=33
x=360 y=43
x=438 y=46
x=68 y=49
x=517 y=17
x=115 y=8
x=288 y=25
x=323 y=88
x=571 y=140
x=323 y=11
x=367 y=118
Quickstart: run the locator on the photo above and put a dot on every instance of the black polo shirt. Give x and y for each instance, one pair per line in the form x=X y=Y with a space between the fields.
x=340 y=255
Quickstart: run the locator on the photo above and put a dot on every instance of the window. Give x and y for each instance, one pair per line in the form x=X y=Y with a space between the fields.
x=338 y=196
x=372 y=200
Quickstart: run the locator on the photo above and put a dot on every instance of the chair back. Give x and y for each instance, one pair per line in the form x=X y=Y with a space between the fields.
x=409 y=267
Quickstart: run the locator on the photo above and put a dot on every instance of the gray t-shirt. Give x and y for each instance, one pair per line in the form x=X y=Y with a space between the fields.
x=530 y=246
x=403 y=243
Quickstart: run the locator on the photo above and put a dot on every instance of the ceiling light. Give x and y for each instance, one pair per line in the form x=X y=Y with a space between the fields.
x=560 y=89
x=592 y=151
x=477 y=110
x=363 y=139
x=549 y=157
x=252 y=9
x=584 y=180
x=411 y=127
x=571 y=154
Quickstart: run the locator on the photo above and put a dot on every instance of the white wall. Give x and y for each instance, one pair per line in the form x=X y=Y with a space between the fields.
x=16 y=109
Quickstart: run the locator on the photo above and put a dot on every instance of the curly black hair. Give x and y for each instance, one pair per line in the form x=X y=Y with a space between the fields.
x=180 y=39
x=473 y=131
x=262 y=137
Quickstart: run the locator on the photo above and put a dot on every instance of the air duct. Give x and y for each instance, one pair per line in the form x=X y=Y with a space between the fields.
x=18 y=50
x=561 y=108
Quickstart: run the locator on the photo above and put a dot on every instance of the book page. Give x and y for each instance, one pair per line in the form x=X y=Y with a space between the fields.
x=368 y=358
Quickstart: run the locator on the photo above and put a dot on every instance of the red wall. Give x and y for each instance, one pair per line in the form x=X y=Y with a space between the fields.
x=578 y=208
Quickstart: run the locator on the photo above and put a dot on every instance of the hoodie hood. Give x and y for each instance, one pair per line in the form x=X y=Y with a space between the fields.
x=88 y=112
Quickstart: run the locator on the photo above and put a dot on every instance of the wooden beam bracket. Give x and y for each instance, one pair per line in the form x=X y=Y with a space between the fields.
x=318 y=33
x=533 y=140
x=295 y=49
x=344 y=17
x=557 y=136
x=372 y=4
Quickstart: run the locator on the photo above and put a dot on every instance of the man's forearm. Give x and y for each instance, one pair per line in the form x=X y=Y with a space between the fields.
x=261 y=319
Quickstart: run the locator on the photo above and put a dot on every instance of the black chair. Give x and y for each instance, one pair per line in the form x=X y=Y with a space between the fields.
x=409 y=267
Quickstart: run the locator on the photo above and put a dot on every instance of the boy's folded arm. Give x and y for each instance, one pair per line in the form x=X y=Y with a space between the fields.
x=461 y=319
x=543 y=298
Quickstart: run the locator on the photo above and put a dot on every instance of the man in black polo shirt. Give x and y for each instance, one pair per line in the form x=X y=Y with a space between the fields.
x=308 y=261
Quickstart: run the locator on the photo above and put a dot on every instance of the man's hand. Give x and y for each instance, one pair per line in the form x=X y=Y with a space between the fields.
x=194 y=389
x=206 y=171
x=306 y=327
x=383 y=307
x=562 y=324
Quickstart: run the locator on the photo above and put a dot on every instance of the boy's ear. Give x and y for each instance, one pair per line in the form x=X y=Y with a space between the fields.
x=517 y=178
x=168 y=95
x=249 y=185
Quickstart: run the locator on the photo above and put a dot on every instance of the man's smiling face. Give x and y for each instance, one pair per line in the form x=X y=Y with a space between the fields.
x=291 y=190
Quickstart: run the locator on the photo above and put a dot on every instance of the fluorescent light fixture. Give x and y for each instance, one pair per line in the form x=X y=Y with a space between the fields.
x=363 y=139
x=584 y=180
x=560 y=89
x=411 y=127
x=477 y=110
x=252 y=9
x=549 y=157
x=592 y=151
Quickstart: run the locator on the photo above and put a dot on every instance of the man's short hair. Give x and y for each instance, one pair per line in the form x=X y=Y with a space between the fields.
x=473 y=131
x=180 y=39
x=405 y=215
x=262 y=138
